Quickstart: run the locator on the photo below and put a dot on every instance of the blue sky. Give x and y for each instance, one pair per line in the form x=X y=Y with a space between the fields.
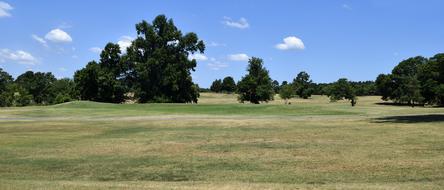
x=356 y=39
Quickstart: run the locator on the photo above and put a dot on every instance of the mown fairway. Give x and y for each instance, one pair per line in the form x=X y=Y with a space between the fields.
x=221 y=144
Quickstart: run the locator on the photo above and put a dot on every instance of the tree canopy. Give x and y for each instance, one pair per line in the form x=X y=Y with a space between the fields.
x=342 y=89
x=303 y=85
x=416 y=80
x=256 y=86
x=158 y=62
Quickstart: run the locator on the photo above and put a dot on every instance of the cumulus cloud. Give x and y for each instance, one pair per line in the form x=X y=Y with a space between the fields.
x=95 y=49
x=238 y=57
x=39 y=40
x=242 y=23
x=291 y=42
x=18 y=56
x=4 y=9
x=198 y=57
x=216 y=64
x=58 y=36
x=124 y=43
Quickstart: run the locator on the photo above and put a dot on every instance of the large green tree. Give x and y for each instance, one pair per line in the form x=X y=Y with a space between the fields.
x=5 y=81
x=342 y=89
x=228 y=85
x=256 y=86
x=216 y=86
x=159 y=64
x=303 y=85
x=39 y=85
x=286 y=92
x=103 y=81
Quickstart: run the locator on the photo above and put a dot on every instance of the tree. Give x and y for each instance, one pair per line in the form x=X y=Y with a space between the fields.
x=276 y=86
x=39 y=85
x=256 y=86
x=64 y=90
x=303 y=85
x=86 y=81
x=216 y=86
x=286 y=92
x=103 y=81
x=406 y=86
x=158 y=62
x=5 y=81
x=228 y=85
x=342 y=89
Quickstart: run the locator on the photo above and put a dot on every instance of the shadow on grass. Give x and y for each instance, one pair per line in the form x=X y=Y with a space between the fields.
x=411 y=119
x=398 y=104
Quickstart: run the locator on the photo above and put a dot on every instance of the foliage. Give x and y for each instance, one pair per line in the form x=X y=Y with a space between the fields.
x=286 y=92
x=38 y=85
x=276 y=86
x=256 y=86
x=303 y=85
x=158 y=62
x=342 y=89
x=102 y=81
x=228 y=85
x=414 y=81
x=216 y=86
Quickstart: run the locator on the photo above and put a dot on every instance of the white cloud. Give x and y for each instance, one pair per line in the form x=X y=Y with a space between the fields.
x=242 y=23
x=198 y=57
x=291 y=42
x=4 y=9
x=238 y=57
x=348 y=7
x=95 y=49
x=215 y=44
x=216 y=65
x=39 y=40
x=58 y=36
x=124 y=43
x=18 y=56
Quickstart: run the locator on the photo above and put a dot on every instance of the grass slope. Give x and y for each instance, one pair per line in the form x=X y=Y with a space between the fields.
x=219 y=144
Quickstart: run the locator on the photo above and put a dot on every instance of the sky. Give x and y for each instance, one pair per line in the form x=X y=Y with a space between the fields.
x=329 y=39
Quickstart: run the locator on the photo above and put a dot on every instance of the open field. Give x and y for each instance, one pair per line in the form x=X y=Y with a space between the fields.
x=221 y=144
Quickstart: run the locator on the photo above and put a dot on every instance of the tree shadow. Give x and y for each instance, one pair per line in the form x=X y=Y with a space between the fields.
x=411 y=119
x=398 y=104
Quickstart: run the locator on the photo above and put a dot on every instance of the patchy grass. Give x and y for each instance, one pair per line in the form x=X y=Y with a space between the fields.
x=219 y=144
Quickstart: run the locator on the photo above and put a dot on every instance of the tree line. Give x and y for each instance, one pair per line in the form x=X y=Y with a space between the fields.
x=414 y=81
x=258 y=87
x=156 y=68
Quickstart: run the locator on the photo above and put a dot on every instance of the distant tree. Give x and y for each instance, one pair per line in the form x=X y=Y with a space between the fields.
x=5 y=81
x=228 y=85
x=284 y=83
x=65 y=90
x=342 y=89
x=286 y=92
x=102 y=81
x=276 y=86
x=406 y=86
x=216 y=86
x=431 y=77
x=86 y=81
x=158 y=62
x=256 y=86
x=39 y=85
x=303 y=85
x=384 y=86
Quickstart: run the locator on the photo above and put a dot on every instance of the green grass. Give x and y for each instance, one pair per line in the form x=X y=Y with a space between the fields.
x=220 y=144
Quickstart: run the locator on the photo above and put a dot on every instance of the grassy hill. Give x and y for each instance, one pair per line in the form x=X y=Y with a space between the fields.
x=221 y=144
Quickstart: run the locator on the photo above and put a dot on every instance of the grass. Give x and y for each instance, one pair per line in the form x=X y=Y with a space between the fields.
x=221 y=144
